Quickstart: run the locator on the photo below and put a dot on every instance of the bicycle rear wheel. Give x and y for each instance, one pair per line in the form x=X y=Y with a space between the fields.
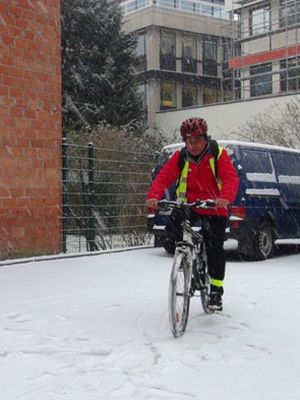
x=204 y=293
x=179 y=294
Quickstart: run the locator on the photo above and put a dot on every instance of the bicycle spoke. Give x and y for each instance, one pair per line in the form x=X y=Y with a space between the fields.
x=179 y=297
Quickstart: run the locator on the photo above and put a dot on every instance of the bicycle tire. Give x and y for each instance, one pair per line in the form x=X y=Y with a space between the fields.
x=204 y=295
x=179 y=294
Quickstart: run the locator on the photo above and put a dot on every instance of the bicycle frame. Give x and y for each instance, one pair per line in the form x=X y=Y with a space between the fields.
x=189 y=263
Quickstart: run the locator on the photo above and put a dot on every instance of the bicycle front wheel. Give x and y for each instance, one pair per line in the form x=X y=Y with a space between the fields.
x=179 y=294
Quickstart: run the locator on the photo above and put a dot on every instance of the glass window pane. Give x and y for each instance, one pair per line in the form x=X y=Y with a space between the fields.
x=189 y=51
x=189 y=95
x=209 y=55
x=290 y=74
x=210 y=95
x=257 y=162
x=262 y=83
x=168 y=50
x=168 y=95
x=260 y=20
x=168 y=40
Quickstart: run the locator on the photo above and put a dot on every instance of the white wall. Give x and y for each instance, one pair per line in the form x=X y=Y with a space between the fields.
x=223 y=118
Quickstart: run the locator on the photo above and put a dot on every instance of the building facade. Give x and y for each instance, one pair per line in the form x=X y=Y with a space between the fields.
x=183 y=50
x=269 y=42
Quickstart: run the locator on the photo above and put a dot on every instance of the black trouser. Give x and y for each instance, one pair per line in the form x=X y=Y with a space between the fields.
x=214 y=236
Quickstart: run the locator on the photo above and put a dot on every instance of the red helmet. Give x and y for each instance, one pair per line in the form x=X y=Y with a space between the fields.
x=193 y=127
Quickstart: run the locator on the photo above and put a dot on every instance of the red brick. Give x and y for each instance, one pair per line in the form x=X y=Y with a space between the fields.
x=3 y=90
x=30 y=128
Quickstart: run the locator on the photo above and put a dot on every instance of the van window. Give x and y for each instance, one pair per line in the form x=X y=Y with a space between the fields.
x=288 y=168
x=258 y=165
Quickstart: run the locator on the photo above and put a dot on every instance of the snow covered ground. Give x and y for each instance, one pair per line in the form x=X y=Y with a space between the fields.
x=97 y=328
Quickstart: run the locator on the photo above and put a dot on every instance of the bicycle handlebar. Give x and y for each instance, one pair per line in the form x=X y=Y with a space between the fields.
x=171 y=204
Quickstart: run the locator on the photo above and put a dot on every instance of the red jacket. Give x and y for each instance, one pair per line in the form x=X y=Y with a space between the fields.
x=201 y=182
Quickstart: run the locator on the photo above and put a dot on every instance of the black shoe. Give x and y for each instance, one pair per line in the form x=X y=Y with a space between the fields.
x=215 y=302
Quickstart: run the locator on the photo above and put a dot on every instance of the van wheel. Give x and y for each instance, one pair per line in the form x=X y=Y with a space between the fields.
x=264 y=245
x=157 y=241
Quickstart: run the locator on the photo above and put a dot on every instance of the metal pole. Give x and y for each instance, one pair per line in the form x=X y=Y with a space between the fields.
x=91 y=228
x=64 y=193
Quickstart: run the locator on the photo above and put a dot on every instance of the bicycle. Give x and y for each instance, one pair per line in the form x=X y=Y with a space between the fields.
x=189 y=270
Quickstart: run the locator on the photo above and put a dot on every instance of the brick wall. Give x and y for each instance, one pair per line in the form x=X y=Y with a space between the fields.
x=30 y=127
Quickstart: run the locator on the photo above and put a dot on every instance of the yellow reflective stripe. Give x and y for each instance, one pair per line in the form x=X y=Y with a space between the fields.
x=182 y=186
x=212 y=166
x=216 y=282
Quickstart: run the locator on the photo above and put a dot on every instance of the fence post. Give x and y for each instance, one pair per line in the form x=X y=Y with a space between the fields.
x=64 y=193
x=91 y=228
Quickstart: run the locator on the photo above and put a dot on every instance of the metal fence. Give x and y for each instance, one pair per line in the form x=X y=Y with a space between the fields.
x=104 y=194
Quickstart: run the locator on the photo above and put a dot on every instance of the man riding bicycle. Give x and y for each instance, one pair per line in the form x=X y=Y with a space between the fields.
x=197 y=180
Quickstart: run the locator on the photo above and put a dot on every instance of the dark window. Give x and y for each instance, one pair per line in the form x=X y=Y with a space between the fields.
x=167 y=95
x=257 y=162
x=290 y=74
x=209 y=59
x=189 y=51
x=287 y=165
x=189 y=95
x=261 y=84
x=210 y=95
x=167 y=50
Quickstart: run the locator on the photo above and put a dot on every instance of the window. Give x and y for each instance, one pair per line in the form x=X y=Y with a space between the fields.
x=262 y=83
x=141 y=52
x=167 y=50
x=210 y=95
x=260 y=21
x=142 y=91
x=290 y=74
x=189 y=95
x=210 y=51
x=168 y=95
x=258 y=166
x=289 y=12
x=288 y=168
x=189 y=51
x=169 y=3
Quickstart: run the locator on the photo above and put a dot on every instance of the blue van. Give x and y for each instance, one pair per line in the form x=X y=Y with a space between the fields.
x=267 y=206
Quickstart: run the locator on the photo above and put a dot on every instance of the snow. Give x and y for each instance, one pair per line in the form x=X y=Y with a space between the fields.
x=261 y=177
x=176 y=146
x=97 y=328
x=263 y=192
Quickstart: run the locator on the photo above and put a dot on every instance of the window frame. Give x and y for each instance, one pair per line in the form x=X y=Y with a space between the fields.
x=167 y=58
x=260 y=79
x=189 y=62
x=210 y=58
x=263 y=26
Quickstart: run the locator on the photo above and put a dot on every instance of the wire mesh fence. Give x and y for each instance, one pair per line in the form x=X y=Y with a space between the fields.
x=104 y=192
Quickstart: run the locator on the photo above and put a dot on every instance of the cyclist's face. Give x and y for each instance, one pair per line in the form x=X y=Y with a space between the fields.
x=196 y=145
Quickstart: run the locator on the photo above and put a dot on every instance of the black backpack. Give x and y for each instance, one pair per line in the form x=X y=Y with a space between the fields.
x=214 y=150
